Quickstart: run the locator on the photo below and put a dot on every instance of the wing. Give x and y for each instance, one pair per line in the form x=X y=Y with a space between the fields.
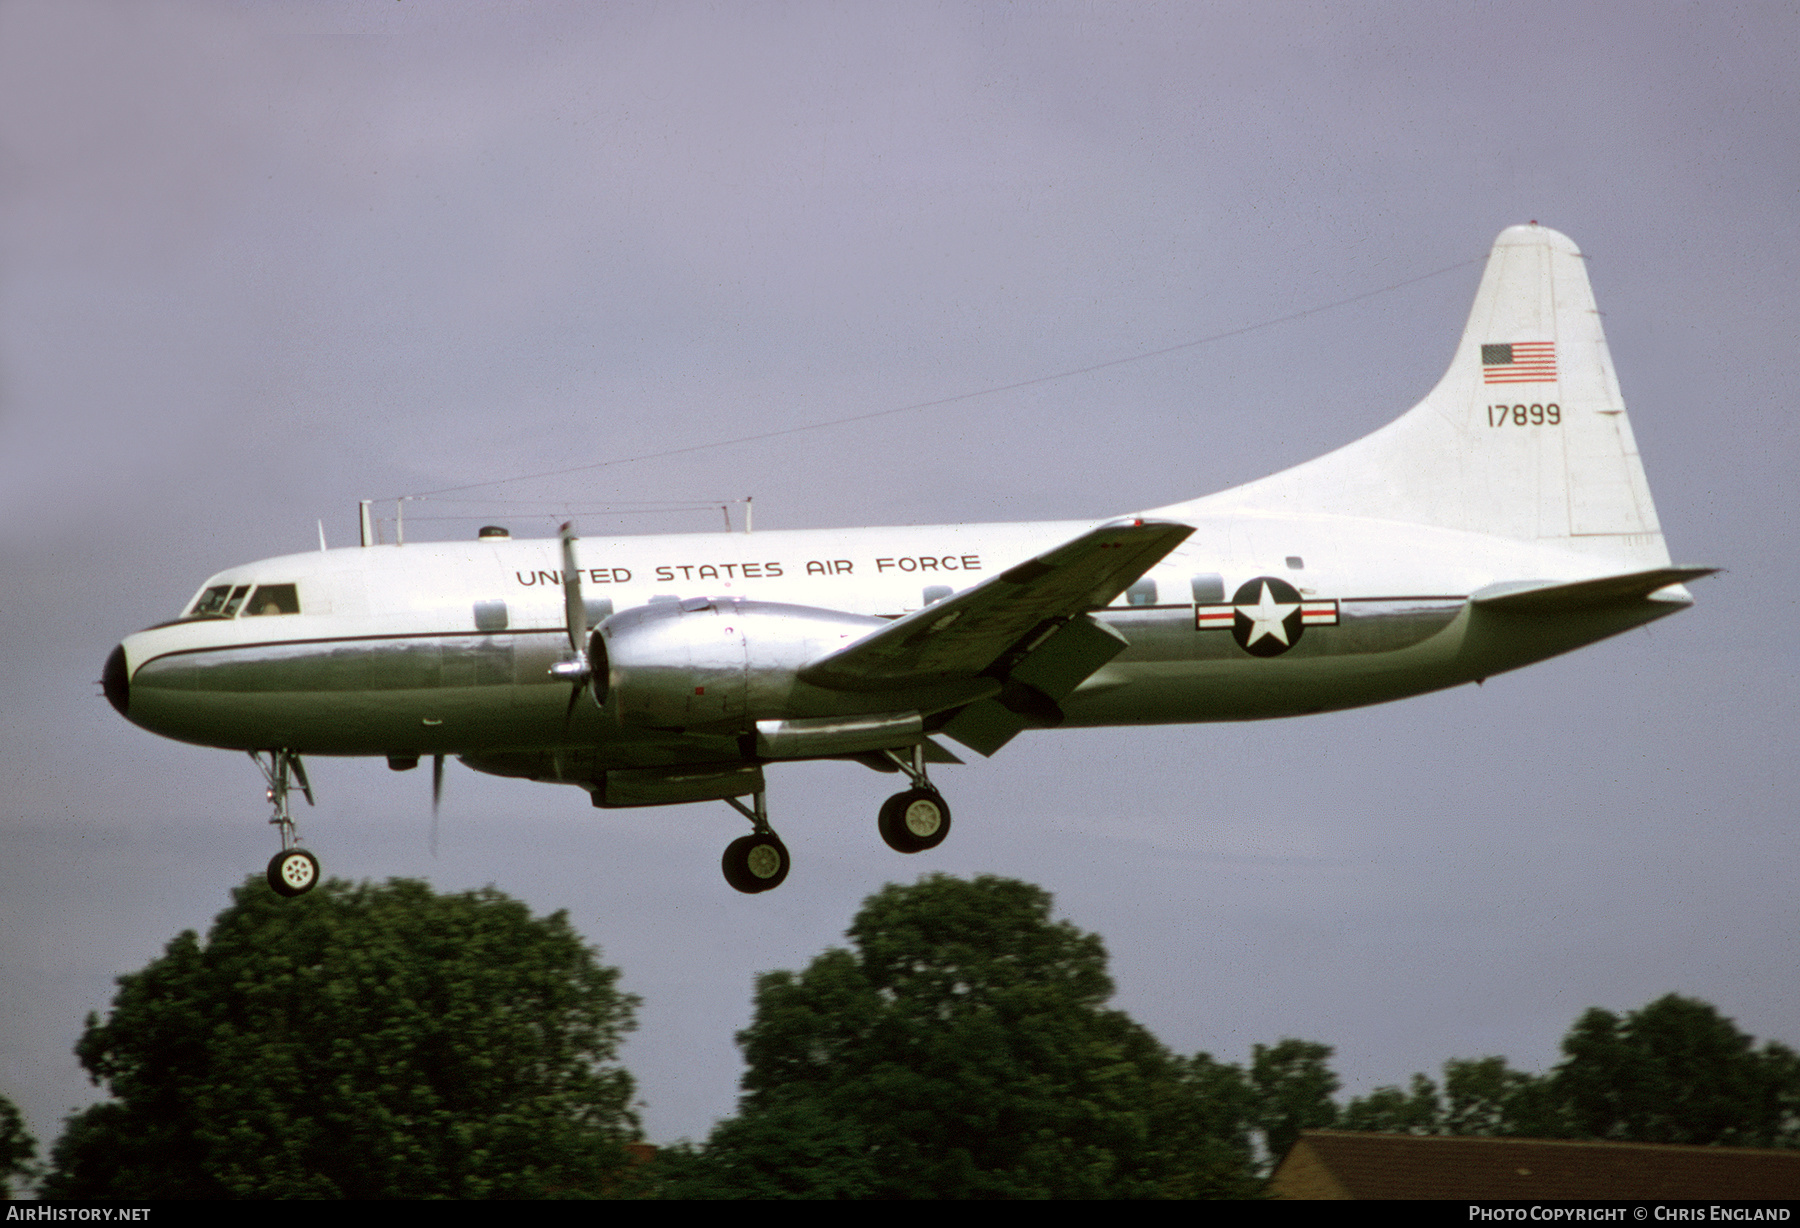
x=1027 y=628
x=964 y=635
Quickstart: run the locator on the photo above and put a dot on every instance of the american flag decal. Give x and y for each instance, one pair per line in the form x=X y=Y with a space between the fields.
x=1519 y=362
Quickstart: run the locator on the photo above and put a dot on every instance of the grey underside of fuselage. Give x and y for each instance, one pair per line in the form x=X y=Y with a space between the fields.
x=490 y=699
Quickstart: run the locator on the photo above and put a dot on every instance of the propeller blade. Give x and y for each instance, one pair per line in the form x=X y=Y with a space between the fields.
x=575 y=612
x=437 y=796
x=573 y=607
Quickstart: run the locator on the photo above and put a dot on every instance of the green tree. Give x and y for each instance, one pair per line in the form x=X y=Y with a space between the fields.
x=1389 y=1110
x=1486 y=1097
x=961 y=1049
x=1293 y=1085
x=1676 y=1072
x=17 y=1148
x=1203 y=1119
x=360 y=1041
x=1481 y=1096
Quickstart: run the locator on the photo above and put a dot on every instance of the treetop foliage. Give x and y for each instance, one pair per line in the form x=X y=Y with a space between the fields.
x=17 y=1147
x=1675 y=1071
x=387 y=1041
x=359 y=1041
x=960 y=1049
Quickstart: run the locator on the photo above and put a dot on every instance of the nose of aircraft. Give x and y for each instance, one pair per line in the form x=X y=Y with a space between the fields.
x=115 y=682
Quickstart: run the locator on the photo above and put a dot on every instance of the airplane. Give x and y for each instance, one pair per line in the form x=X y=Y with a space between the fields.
x=1503 y=520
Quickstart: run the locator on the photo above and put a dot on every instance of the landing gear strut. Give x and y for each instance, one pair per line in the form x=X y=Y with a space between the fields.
x=759 y=861
x=292 y=871
x=919 y=818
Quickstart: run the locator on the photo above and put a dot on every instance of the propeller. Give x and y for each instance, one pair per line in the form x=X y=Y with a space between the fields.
x=579 y=671
x=437 y=797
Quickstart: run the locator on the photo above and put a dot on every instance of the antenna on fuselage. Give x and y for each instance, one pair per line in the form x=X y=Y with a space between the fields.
x=367 y=521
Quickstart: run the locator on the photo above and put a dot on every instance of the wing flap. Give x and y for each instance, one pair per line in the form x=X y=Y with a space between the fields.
x=1037 y=684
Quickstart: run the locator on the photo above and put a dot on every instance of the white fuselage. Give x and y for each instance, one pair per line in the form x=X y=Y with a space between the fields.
x=436 y=648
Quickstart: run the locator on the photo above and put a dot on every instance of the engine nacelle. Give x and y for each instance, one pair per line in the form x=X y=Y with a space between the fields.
x=718 y=663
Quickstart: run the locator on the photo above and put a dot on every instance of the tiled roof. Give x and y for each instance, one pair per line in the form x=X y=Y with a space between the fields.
x=1347 y=1164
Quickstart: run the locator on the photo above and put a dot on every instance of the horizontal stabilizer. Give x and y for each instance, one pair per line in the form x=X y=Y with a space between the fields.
x=1550 y=597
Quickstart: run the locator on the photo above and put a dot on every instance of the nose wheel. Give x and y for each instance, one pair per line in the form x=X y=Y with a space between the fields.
x=293 y=871
x=759 y=861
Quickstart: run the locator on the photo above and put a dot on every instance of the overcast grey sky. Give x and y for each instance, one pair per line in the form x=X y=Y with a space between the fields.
x=260 y=260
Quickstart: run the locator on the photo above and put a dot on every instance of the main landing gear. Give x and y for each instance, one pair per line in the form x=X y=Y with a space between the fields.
x=759 y=861
x=293 y=871
x=911 y=822
x=919 y=818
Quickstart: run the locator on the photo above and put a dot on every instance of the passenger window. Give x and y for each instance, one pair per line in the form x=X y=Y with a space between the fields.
x=274 y=599
x=1209 y=589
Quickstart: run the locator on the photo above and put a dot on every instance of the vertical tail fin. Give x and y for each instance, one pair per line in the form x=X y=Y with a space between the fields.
x=1526 y=435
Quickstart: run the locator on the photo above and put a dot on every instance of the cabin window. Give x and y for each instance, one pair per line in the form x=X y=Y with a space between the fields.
x=273 y=599
x=490 y=616
x=599 y=609
x=1209 y=589
x=1296 y=563
x=1141 y=593
x=935 y=593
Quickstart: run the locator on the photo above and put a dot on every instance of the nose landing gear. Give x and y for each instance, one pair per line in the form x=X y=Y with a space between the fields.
x=293 y=871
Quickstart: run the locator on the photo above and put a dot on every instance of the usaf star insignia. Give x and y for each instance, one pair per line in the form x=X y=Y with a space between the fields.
x=1266 y=616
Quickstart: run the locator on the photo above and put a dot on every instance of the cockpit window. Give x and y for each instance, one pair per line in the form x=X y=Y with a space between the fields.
x=225 y=601
x=273 y=599
x=210 y=602
x=213 y=601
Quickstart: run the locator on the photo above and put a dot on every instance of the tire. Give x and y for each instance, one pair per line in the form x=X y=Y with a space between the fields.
x=915 y=820
x=754 y=864
x=293 y=872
